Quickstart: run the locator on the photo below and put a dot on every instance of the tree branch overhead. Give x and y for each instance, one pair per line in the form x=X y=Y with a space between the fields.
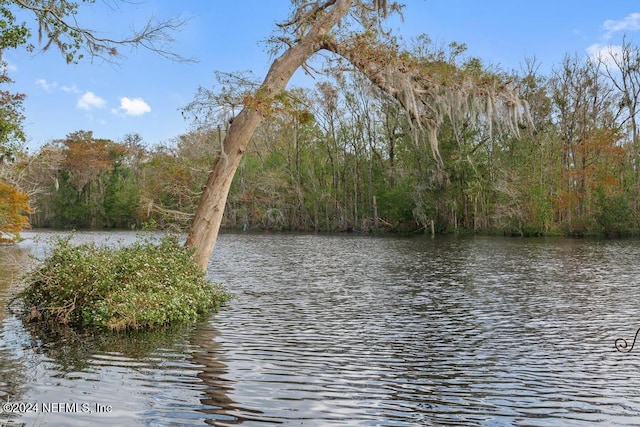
x=58 y=26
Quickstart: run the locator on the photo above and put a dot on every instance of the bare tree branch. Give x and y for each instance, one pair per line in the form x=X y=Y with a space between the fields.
x=58 y=24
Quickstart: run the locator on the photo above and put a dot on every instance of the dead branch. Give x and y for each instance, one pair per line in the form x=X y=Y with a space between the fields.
x=69 y=36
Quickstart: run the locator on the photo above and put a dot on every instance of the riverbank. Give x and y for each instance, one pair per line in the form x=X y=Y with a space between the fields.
x=405 y=230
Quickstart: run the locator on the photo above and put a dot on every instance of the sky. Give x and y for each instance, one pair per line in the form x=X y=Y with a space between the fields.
x=143 y=93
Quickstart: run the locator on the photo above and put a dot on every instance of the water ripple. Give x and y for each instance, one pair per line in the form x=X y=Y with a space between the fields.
x=342 y=330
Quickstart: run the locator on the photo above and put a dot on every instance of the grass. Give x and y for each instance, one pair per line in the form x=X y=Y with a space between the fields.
x=145 y=285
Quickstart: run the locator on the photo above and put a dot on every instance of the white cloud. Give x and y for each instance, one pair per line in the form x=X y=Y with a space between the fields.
x=46 y=85
x=630 y=22
x=72 y=89
x=608 y=54
x=90 y=100
x=134 y=107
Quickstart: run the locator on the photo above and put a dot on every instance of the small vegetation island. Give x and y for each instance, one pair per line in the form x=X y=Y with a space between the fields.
x=145 y=285
x=394 y=137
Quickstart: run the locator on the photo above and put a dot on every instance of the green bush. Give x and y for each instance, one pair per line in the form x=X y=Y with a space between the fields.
x=614 y=215
x=142 y=286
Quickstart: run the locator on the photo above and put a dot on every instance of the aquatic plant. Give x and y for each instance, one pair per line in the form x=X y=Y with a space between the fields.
x=145 y=285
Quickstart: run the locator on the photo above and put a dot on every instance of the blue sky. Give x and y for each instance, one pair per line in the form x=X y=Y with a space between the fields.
x=143 y=93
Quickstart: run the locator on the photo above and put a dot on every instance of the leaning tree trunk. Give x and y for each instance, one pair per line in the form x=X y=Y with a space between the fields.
x=419 y=87
x=208 y=218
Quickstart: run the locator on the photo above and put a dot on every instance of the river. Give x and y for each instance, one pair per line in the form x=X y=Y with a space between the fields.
x=354 y=330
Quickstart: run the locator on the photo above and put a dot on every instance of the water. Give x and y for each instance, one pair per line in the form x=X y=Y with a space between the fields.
x=353 y=330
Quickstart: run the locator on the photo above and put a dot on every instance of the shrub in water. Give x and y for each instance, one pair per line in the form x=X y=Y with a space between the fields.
x=141 y=286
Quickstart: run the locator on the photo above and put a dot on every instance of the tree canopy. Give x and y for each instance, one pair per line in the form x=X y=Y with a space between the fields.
x=343 y=155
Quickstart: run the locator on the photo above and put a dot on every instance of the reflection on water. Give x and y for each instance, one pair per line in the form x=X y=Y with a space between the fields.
x=14 y=376
x=160 y=378
x=352 y=330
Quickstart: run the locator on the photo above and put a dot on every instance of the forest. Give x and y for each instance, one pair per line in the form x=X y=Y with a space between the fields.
x=344 y=156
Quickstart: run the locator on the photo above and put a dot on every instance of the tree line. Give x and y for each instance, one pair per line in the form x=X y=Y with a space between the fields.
x=343 y=155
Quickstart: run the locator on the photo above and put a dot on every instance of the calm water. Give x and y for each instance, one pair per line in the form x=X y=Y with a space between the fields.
x=352 y=330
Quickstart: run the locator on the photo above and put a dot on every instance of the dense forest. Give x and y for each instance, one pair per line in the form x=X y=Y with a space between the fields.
x=344 y=156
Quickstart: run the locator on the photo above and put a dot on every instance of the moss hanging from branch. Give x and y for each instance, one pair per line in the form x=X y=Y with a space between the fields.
x=431 y=90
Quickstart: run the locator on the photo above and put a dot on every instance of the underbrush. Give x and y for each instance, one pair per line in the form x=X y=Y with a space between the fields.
x=142 y=286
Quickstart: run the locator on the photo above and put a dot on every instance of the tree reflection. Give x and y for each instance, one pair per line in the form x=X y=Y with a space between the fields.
x=209 y=357
x=13 y=367
x=164 y=368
